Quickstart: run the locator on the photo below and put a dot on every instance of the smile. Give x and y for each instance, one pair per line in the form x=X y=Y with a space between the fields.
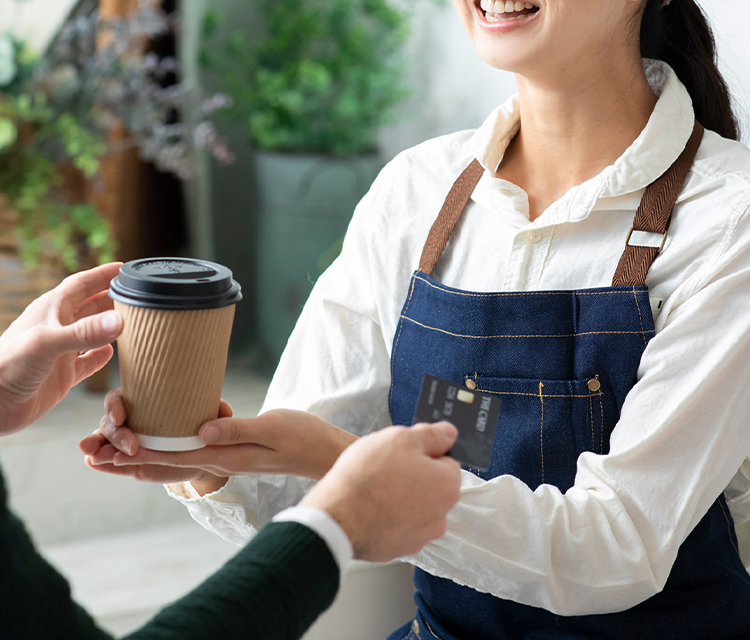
x=505 y=10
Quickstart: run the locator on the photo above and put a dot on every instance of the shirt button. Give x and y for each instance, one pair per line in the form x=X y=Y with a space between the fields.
x=534 y=236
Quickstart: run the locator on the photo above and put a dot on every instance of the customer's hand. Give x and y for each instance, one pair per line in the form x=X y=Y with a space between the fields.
x=61 y=338
x=280 y=441
x=391 y=490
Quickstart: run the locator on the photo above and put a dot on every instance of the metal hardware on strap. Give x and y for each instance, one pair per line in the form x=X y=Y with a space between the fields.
x=449 y=214
x=658 y=251
x=654 y=215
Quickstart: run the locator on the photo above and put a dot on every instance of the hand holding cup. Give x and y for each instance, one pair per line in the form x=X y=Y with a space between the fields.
x=280 y=441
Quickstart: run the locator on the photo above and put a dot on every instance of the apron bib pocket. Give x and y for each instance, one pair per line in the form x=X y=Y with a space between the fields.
x=545 y=425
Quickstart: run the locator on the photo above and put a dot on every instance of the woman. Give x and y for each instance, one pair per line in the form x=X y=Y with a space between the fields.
x=616 y=471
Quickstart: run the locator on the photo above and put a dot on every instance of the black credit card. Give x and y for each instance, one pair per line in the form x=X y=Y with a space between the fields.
x=473 y=413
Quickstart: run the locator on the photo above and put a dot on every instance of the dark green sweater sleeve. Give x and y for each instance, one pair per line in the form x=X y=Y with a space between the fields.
x=273 y=589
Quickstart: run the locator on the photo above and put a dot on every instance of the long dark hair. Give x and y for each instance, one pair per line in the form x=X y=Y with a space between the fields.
x=679 y=35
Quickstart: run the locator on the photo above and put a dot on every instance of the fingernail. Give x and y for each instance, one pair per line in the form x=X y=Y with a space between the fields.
x=448 y=429
x=210 y=434
x=111 y=321
x=127 y=446
x=111 y=417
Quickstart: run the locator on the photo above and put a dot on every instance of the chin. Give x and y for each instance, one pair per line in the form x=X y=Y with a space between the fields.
x=506 y=34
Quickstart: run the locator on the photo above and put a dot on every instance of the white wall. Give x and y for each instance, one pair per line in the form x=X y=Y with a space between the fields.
x=35 y=20
x=731 y=23
x=455 y=89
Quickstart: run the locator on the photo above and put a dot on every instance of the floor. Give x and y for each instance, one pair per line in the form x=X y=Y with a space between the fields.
x=128 y=549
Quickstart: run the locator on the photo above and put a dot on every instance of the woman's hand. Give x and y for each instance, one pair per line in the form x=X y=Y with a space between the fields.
x=61 y=338
x=113 y=437
x=280 y=441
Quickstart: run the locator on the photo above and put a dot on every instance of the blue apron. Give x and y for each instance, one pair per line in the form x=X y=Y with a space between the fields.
x=563 y=363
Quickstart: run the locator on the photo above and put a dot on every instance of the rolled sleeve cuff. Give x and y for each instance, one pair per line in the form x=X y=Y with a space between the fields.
x=326 y=527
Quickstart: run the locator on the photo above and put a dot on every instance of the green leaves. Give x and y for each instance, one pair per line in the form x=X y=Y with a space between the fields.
x=8 y=133
x=325 y=78
x=32 y=182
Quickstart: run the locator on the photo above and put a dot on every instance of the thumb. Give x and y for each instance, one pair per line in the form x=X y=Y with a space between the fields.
x=90 y=332
x=437 y=438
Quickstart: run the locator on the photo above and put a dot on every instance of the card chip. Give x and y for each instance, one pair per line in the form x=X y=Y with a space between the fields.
x=465 y=396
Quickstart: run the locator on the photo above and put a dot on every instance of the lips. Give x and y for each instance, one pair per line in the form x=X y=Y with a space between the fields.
x=504 y=10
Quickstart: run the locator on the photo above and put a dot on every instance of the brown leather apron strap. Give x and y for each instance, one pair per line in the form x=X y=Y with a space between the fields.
x=444 y=224
x=654 y=215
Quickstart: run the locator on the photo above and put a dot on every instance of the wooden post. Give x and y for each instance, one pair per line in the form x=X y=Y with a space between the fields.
x=116 y=193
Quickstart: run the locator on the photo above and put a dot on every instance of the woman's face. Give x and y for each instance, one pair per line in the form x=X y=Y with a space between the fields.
x=550 y=36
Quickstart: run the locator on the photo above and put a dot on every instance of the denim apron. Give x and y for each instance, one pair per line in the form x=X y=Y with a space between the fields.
x=563 y=363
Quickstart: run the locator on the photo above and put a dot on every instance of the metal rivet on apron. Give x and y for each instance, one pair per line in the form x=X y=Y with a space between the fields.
x=594 y=385
x=471 y=384
x=415 y=627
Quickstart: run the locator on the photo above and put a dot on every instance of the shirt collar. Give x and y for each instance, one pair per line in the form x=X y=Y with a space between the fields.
x=650 y=155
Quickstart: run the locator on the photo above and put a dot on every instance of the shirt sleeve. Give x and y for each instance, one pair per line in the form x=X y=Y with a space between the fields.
x=610 y=541
x=326 y=527
x=336 y=365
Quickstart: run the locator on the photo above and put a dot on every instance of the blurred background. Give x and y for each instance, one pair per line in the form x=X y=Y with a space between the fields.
x=219 y=129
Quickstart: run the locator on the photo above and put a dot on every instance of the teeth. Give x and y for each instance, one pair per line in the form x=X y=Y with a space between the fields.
x=495 y=8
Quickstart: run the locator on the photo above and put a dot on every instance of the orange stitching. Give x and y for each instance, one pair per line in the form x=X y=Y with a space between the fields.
x=501 y=294
x=591 y=422
x=729 y=524
x=536 y=395
x=562 y=335
x=640 y=317
x=601 y=428
x=541 y=426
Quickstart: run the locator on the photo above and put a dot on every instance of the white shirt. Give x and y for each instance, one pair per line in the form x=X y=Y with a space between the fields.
x=610 y=541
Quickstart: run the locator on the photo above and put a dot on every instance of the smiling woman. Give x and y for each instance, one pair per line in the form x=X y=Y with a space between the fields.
x=521 y=259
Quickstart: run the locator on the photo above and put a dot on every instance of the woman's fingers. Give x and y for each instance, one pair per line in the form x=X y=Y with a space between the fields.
x=225 y=409
x=114 y=407
x=144 y=473
x=113 y=424
x=269 y=429
x=92 y=444
x=122 y=438
x=103 y=455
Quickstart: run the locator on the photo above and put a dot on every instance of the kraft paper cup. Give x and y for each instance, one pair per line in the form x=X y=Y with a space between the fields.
x=178 y=315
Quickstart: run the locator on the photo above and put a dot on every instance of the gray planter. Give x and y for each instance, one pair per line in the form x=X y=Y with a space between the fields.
x=303 y=207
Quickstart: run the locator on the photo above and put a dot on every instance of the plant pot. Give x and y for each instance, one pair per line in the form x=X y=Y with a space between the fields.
x=303 y=206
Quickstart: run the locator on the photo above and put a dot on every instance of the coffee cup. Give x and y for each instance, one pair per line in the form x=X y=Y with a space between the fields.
x=178 y=315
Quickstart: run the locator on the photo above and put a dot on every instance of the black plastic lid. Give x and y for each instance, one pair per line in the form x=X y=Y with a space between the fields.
x=175 y=283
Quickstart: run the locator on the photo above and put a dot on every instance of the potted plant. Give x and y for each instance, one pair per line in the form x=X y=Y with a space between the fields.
x=313 y=92
x=98 y=92
x=44 y=230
